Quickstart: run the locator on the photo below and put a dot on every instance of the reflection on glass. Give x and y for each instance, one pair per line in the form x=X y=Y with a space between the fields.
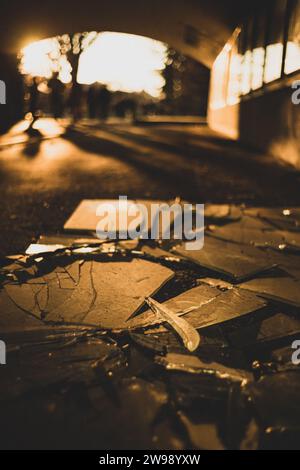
x=258 y=61
x=274 y=54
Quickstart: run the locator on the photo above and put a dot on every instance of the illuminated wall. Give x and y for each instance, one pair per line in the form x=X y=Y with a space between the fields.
x=255 y=70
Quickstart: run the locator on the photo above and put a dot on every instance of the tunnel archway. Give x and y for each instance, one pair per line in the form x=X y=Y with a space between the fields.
x=195 y=28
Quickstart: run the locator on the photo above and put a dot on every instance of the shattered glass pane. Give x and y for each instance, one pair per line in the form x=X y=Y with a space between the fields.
x=93 y=293
x=92 y=364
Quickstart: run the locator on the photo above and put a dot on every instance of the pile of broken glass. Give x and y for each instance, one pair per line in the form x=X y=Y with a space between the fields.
x=174 y=348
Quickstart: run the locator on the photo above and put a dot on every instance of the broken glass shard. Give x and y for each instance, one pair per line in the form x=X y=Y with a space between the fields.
x=187 y=332
x=280 y=216
x=205 y=306
x=163 y=340
x=119 y=215
x=257 y=233
x=38 y=248
x=67 y=240
x=87 y=214
x=194 y=365
x=280 y=288
x=232 y=260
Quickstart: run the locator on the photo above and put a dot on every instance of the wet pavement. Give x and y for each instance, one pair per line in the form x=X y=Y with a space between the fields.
x=42 y=181
x=146 y=345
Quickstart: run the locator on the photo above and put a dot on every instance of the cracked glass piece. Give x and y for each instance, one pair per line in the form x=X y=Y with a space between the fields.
x=38 y=248
x=205 y=306
x=30 y=297
x=287 y=218
x=251 y=223
x=229 y=259
x=280 y=288
x=67 y=240
x=153 y=212
x=102 y=294
x=285 y=224
x=85 y=218
x=194 y=365
x=121 y=289
x=277 y=326
x=14 y=318
x=216 y=283
x=257 y=232
x=286 y=261
x=167 y=341
x=184 y=329
x=41 y=296
x=203 y=397
x=156 y=251
x=220 y=212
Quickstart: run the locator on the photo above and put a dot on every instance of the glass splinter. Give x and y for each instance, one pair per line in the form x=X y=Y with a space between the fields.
x=189 y=335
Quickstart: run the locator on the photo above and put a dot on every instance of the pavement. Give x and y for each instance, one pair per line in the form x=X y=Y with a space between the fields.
x=136 y=344
x=44 y=178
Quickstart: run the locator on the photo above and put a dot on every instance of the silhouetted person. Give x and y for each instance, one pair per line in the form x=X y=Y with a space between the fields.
x=33 y=98
x=75 y=101
x=33 y=106
x=56 y=96
x=126 y=108
x=104 y=99
x=92 y=100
